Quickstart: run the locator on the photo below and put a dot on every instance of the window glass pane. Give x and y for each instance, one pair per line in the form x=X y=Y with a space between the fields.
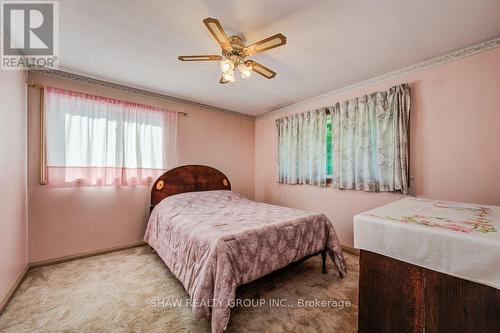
x=329 y=157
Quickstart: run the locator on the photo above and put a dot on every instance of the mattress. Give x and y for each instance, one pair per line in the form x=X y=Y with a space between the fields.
x=215 y=241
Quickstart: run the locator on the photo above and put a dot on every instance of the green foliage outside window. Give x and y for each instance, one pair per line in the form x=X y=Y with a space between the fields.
x=329 y=157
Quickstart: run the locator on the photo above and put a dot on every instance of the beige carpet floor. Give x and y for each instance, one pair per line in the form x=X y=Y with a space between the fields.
x=132 y=291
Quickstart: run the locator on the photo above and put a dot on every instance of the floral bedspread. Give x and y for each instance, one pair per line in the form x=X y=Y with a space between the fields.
x=217 y=240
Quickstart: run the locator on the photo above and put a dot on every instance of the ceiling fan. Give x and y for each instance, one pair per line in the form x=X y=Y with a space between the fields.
x=234 y=53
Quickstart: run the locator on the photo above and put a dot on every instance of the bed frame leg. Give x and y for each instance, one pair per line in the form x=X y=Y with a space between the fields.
x=323 y=259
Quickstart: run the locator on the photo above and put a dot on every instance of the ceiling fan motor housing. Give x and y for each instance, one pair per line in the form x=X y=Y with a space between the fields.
x=236 y=43
x=237 y=54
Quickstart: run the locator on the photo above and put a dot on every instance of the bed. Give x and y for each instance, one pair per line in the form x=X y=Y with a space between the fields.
x=214 y=240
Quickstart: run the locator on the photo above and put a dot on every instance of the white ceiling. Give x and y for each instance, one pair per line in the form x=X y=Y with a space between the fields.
x=330 y=43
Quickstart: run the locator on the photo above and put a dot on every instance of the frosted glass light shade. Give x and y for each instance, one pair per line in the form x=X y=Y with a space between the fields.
x=226 y=66
x=229 y=76
x=245 y=70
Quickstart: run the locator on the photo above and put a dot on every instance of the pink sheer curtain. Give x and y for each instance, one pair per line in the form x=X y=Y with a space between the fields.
x=98 y=141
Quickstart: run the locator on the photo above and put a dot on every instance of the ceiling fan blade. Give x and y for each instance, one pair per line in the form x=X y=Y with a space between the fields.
x=216 y=30
x=261 y=69
x=265 y=44
x=207 y=57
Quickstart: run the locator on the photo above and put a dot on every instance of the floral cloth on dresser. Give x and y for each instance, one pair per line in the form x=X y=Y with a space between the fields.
x=452 y=216
x=459 y=239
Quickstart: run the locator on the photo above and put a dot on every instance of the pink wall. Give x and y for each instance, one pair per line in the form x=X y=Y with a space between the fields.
x=68 y=221
x=13 y=221
x=454 y=148
x=455 y=130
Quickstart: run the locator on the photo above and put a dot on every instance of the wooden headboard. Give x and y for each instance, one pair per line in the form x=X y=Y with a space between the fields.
x=188 y=178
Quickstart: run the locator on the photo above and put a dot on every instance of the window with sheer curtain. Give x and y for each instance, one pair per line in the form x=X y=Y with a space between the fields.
x=98 y=141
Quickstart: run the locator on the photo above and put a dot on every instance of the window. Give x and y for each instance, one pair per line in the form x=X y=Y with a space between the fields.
x=370 y=137
x=94 y=141
x=329 y=146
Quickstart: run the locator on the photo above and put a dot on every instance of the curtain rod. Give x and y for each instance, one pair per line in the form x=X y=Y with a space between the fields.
x=39 y=85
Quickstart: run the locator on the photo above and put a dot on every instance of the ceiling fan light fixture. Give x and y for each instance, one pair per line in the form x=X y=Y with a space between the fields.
x=245 y=71
x=235 y=53
x=226 y=66
x=228 y=76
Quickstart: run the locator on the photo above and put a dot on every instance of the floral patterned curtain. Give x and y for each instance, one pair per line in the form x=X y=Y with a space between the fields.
x=370 y=141
x=302 y=148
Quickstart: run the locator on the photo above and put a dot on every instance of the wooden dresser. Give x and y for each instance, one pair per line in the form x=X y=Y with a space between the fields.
x=395 y=296
x=429 y=266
